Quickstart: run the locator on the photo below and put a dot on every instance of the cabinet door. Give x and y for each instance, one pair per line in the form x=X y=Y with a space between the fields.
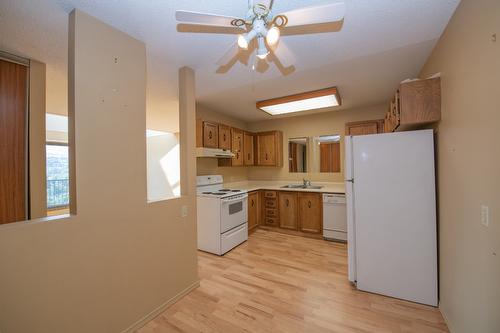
x=266 y=149
x=288 y=210
x=248 y=148
x=210 y=135
x=224 y=137
x=237 y=146
x=253 y=210
x=310 y=212
x=361 y=128
x=199 y=132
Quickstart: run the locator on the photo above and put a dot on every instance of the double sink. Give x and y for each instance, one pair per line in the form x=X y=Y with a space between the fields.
x=302 y=186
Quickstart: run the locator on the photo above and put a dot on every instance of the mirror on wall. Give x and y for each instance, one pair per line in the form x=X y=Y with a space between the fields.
x=34 y=172
x=319 y=154
x=326 y=153
x=297 y=154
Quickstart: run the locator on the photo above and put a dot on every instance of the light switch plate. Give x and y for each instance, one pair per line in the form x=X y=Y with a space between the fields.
x=184 y=211
x=485 y=215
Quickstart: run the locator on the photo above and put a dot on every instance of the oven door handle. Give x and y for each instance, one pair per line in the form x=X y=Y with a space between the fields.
x=239 y=198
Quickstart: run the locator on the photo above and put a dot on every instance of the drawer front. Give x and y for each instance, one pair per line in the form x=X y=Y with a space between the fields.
x=271 y=221
x=271 y=203
x=233 y=238
x=271 y=212
x=270 y=194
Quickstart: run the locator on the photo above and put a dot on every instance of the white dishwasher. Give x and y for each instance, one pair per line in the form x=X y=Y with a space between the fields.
x=334 y=217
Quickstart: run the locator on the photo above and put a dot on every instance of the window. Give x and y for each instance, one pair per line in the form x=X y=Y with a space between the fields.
x=57 y=175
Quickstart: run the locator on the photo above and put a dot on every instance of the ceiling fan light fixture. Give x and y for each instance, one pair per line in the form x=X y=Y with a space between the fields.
x=262 y=51
x=273 y=35
x=242 y=42
x=312 y=100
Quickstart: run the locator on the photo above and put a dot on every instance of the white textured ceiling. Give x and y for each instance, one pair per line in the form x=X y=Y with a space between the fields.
x=380 y=43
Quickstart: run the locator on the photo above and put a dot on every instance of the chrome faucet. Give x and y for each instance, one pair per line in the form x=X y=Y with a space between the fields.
x=306 y=182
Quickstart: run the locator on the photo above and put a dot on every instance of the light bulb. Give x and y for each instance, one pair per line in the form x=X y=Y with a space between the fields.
x=273 y=35
x=242 y=42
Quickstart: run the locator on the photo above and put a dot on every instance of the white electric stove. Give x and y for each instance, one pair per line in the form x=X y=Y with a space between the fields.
x=222 y=215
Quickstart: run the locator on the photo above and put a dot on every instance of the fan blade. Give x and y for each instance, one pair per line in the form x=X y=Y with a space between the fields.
x=229 y=55
x=315 y=15
x=206 y=19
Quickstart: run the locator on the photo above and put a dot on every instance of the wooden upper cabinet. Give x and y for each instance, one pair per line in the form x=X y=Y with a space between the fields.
x=224 y=137
x=310 y=212
x=237 y=146
x=269 y=148
x=199 y=132
x=415 y=104
x=210 y=135
x=288 y=210
x=364 y=127
x=248 y=148
x=254 y=210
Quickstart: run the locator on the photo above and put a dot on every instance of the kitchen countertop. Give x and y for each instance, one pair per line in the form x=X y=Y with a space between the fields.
x=253 y=185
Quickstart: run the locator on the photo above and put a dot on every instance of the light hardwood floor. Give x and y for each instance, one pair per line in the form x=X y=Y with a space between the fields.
x=282 y=283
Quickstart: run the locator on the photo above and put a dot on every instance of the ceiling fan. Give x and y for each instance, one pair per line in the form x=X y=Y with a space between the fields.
x=261 y=25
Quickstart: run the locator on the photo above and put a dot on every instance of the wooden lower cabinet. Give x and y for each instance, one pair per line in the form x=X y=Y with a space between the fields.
x=310 y=212
x=288 y=210
x=270 y=211
x=298 y=212
x=253 y=210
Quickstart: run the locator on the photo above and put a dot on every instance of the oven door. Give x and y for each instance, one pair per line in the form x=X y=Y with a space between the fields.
x=233 y=212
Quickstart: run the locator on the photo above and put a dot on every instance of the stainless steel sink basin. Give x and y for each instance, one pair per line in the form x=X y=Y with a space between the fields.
x=311 y=187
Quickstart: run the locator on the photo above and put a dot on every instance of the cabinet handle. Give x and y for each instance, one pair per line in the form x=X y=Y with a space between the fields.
x=224 y=137
x=287 y=202
x=266 y=156
x=209 y=135
x=309 y=204
x=252 y=203
x=237 y=156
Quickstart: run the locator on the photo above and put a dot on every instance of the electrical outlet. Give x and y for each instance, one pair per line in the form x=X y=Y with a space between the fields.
x=485 y=215
x=184 y=211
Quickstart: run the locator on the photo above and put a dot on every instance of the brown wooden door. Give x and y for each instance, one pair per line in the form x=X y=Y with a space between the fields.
x=13 y=95
x=224 y=137
x=310 y=212
x=288 y=210
x=266 y=144
x=253 y=210
x=210 y=135
x=237 y=146
x=329 y=157
x=248 y=148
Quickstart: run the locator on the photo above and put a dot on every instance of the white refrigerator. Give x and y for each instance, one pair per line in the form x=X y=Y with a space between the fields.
x=391 y=214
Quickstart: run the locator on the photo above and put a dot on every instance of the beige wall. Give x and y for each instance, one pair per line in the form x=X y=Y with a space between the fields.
x=469 y=167
x=209 y=166
x=310 y=125
x=163 y=162
x=119 y=258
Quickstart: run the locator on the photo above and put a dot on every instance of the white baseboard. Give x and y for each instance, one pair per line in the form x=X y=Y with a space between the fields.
x=147 y=318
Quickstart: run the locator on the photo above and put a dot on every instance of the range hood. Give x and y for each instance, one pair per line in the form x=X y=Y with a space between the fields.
x=213 y=152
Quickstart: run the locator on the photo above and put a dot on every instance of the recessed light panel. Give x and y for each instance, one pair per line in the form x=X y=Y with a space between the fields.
x=301 y=102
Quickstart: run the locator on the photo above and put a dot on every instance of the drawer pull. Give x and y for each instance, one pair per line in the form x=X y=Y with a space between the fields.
x=309 y=204
x=287 y=202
